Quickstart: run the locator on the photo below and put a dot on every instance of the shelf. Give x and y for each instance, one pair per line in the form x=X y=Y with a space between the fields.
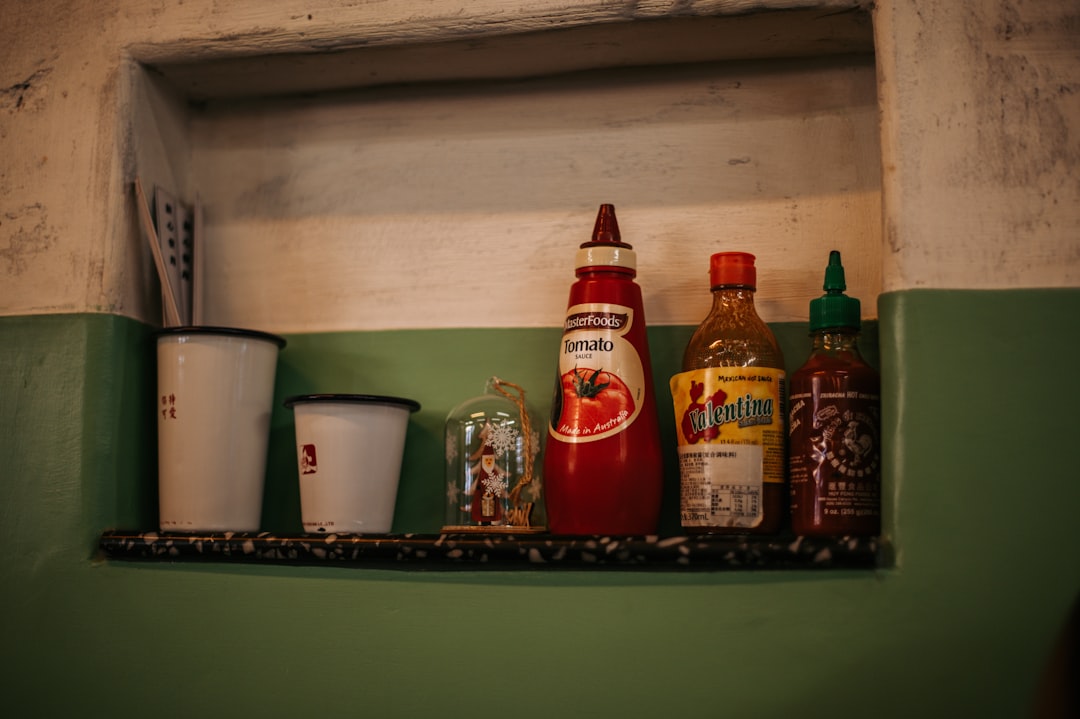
x=498 y=551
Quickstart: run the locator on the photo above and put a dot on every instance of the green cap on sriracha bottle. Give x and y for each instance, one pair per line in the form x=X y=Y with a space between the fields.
x=834 y=309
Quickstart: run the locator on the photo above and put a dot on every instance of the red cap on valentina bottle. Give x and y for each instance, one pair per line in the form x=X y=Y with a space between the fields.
x=728 y=269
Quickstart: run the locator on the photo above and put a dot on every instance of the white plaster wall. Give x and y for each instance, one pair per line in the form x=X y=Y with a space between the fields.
x=979 y=117
x=980 y=143
x=463 y=206
x=63 y=247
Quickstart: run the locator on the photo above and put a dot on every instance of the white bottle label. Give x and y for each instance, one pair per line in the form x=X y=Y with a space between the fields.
x=601 y=385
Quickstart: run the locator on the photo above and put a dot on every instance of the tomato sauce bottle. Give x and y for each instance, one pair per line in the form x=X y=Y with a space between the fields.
x=835 y=426
x=603 y=467
x=729 y=412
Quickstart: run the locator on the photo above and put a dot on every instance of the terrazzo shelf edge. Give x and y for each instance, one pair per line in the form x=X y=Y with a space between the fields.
x=469 y=551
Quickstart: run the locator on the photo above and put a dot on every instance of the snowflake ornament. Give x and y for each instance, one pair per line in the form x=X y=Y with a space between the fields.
x=502 y=438
x=451 y=447
x=495 y=482
x=534 y=488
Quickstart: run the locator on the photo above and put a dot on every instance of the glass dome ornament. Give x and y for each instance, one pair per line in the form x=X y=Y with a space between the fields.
x=492 y=464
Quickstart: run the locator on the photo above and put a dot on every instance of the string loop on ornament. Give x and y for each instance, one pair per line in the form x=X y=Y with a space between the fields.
x=526 y=429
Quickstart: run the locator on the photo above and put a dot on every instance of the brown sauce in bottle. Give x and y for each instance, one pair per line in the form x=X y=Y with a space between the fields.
x=729 y=411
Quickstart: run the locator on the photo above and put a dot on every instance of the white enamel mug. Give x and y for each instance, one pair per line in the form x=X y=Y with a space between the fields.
x=215 y=398
x=349 y=451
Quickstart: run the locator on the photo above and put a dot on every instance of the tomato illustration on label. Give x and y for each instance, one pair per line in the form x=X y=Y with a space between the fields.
x=592 y=401
x=600 y=382
x=696 y=431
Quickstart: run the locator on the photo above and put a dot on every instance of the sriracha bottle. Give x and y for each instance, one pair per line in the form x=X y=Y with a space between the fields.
x=835 y=425
x=602 y=464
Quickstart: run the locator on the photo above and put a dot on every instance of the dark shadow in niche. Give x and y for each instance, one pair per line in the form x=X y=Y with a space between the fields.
x=487 y=47
x=662 y=136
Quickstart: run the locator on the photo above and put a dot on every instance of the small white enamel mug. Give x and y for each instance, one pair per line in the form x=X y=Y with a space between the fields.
x=349 y=451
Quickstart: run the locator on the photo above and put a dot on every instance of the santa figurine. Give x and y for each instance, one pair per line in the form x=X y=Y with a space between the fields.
x=490 y=481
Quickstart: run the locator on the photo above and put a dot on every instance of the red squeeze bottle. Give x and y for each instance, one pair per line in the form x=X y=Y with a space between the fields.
x=602 y=464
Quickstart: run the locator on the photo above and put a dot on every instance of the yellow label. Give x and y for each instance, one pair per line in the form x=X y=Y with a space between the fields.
x=730 y=428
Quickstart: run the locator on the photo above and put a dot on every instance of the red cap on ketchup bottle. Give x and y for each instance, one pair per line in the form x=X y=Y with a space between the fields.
x=606 y=248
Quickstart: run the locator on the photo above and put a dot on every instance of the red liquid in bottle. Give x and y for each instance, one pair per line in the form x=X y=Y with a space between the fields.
x=835 y=426
x=603 y=467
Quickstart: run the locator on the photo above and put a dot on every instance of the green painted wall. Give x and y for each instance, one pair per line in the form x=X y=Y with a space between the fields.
x=980 y=390
x=440 y=369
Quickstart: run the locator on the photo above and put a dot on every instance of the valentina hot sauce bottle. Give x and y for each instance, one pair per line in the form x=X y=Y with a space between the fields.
x=835 y=426
x=729 y=415
x=603 y=466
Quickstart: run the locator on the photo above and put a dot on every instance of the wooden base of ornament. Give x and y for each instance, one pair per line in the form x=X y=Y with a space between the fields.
x=497 y=529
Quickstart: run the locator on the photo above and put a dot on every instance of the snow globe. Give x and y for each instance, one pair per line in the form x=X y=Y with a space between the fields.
x=492 y=464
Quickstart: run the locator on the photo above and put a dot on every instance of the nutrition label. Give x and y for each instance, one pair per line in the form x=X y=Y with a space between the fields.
x=709 y=497
x=737 y=500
